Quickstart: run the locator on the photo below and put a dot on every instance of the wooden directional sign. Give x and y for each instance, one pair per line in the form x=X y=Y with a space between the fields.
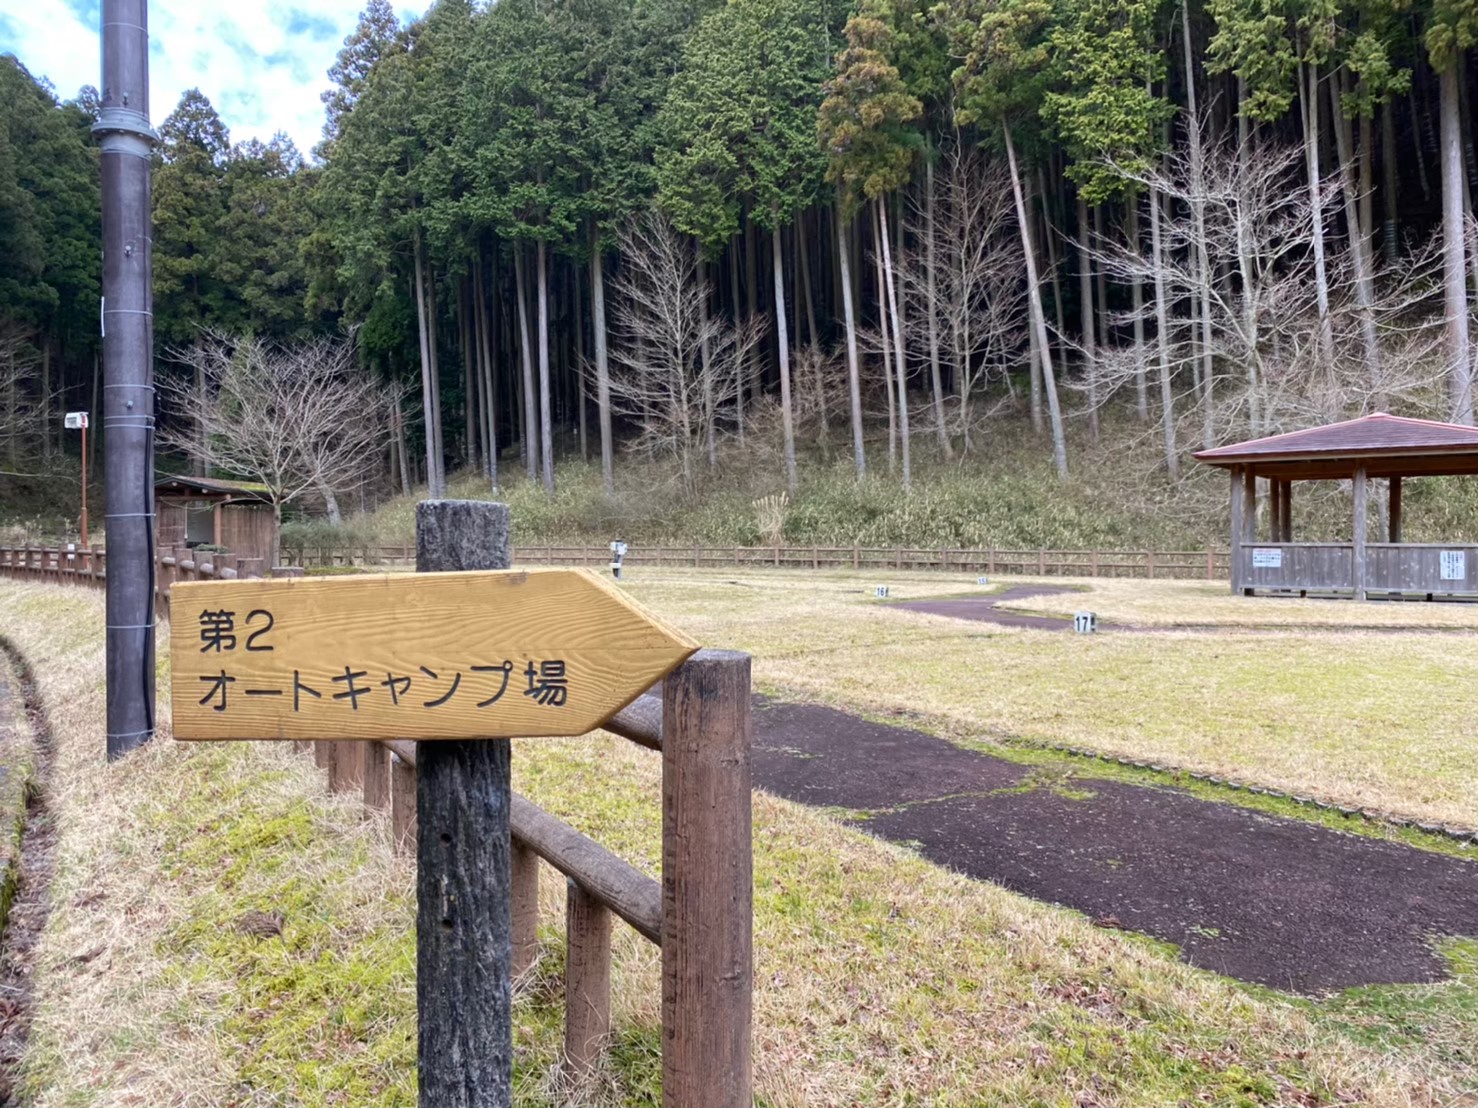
x=507 y=654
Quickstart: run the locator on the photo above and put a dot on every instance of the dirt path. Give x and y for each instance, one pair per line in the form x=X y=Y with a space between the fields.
x=21 y=707
x=1277 y=901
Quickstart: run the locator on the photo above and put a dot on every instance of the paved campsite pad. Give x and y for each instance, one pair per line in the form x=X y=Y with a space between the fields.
x=986 y=609
x=1285 y=903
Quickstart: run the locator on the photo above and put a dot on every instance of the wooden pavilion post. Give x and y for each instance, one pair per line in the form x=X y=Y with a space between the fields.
x=1288 y=511
x=1275 y=510
x=1394 y=516
x=1249 y=504
x=1236 y=472
x=1359 y=536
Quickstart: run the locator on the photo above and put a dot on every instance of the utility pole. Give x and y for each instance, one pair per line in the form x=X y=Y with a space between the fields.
x=127 y=143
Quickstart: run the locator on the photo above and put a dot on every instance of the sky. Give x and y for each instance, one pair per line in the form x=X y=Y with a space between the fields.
x=262 y=63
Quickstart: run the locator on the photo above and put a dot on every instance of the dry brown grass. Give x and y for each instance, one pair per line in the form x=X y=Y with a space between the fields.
x=1378 y=719
x=880 y=978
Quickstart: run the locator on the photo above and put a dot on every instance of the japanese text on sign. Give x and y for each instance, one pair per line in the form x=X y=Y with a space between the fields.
x=548 y=684
x=424 y=656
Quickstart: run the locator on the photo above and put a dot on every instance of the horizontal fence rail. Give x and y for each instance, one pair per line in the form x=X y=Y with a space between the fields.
x=1208 y=564
x=183 y=564
x=705 y=807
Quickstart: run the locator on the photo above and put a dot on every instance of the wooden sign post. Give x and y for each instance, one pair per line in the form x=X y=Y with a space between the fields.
x=457 y=656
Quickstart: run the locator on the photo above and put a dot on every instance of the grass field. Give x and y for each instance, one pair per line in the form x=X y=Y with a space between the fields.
x=880 y=979
x=1372 y=718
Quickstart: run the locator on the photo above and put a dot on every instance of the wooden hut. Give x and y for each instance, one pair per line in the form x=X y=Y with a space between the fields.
x=1357 y=450
x=208 y=511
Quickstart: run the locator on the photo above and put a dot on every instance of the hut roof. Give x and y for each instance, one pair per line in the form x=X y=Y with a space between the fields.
x=1384 y=445
x=212 y=488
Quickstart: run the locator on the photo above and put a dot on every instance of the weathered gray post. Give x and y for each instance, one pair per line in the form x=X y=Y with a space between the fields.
x=463 y=945
x=126 y=143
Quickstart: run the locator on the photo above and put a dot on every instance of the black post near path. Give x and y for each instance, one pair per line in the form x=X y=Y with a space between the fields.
x=463 y=924
x=127 y=142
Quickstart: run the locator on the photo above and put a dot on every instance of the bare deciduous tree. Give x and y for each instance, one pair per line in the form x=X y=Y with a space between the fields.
x=20 y=416
x=675 y=369
x=975 y=301
x=1286 y=343
x=294 y=417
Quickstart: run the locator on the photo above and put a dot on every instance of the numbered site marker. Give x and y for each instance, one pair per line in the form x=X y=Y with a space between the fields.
x=508 y=654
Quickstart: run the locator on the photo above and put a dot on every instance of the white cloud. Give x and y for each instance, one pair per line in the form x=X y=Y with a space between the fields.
x=262 y=63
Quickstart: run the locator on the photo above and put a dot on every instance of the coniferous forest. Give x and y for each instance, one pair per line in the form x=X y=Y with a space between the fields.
x=618 y=229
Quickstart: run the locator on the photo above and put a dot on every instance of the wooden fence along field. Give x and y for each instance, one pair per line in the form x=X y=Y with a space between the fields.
x=699 y=914
x=1209 y=564
x=183 y=564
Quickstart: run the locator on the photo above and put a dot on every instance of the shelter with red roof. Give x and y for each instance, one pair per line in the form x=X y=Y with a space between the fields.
x=1357 y=450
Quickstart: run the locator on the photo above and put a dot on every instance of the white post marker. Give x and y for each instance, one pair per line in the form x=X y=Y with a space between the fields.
x=1085 y=623
x=77 y=421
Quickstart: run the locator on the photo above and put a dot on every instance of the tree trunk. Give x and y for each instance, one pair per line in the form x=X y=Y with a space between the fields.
x=525 y=345
x=546 y=437
x=1100 y=287
x=1085 y=317
x=751 y=292
x=423 y=330
x=1359 y=238
x=710 y=439
x=487 y=328
x=803 y=263
x=1316 y=202
x=1454 y=251
x=1034 y=297
x=743 y=368
x=465 y=328
x=1136 y=304
x=849 y=322
x=331 y=505
x=935 y=379
x=782 y=335
x=402 y=451
x=1198 y=213
x=1162 y=340
x=580 y=361
x=901 y=388
x=431 y=317
x=45 y=421
x=602 y=365
x=1034 y=352
x=1388 y=180
x=877 y=234
x=1244 y=267
x=1049 y=235
x=197 y=463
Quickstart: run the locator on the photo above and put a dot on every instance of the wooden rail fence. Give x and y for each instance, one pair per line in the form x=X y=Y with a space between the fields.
x=699 y=914
x=182 y=564
x=80 y=566
x=1210 y=564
